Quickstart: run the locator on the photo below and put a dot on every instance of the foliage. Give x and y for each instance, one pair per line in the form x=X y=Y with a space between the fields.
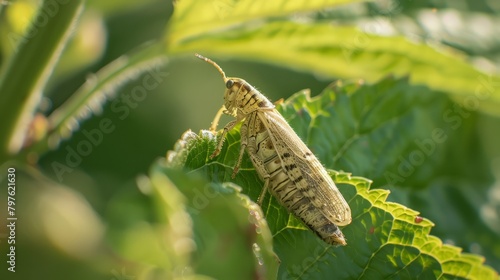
x=386 y=239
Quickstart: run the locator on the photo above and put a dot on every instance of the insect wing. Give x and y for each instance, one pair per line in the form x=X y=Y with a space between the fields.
x=304 y=168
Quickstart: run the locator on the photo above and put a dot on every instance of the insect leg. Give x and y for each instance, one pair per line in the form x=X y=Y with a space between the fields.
x=215 y=122
x=259 y=166
x=263 y=192
x=228 y=127
x=244 y=143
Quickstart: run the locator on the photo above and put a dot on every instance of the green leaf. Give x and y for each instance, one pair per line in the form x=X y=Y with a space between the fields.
x=195 y=18
x=348 y=127
x=412 y=140
x=165 y=242
x=225 y=223
x=330 y=50
x=26 y=72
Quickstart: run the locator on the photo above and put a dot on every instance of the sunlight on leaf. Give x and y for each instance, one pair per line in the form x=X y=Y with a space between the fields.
x=194 y=18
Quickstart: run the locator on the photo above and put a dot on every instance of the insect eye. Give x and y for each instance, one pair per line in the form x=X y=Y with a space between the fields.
x=229 y=83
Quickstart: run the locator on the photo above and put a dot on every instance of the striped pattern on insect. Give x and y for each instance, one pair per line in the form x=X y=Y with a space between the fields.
x=288 y=168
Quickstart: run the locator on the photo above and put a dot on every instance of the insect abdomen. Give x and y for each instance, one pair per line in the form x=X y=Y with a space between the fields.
x=283 y=184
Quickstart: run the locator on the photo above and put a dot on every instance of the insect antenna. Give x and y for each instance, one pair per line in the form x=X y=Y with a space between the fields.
x=214 y=64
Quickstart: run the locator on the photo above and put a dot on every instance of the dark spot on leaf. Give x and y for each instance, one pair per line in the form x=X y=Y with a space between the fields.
x=372 y=230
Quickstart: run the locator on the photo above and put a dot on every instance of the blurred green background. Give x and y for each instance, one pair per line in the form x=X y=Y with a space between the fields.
x=188 y=98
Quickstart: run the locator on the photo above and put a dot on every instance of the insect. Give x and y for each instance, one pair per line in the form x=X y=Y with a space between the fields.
x=290 y=171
